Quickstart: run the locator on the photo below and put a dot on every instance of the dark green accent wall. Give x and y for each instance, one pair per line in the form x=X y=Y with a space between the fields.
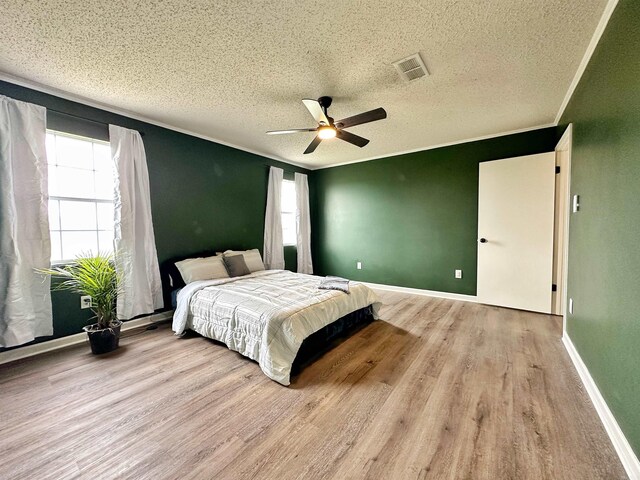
x=204 y=196
x=604 y=252
x=411 y=219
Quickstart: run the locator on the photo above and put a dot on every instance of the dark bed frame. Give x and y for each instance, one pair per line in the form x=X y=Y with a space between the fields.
x=327 y=338
x=313 y=347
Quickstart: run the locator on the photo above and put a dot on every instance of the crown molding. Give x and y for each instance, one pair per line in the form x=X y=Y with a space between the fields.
x=23 y=82
x=604 y=20
x=440 y=145
x=595 y=39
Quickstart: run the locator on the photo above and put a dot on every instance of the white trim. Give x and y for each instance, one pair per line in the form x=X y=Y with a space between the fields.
x=566 y=143
x=126 y=113
x=23 y=82
x=620 y=443
x=604 y=20
x=595 y=39
x=440 y=145
x=63 y=342
x=426 y=293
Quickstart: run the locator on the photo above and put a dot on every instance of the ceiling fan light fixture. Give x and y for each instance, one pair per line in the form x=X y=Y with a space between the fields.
x=327 y=129
x=326 y=132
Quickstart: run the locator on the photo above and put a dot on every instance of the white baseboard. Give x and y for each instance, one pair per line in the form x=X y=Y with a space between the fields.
x=620 y=443
x=426 y=293
x=58 y=343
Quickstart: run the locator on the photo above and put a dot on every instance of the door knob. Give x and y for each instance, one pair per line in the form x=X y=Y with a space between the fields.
x=483 y=240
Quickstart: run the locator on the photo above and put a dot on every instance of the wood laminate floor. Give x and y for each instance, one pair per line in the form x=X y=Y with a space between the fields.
x=437 y=389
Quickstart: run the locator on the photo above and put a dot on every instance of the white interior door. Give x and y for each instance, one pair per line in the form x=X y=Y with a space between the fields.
x=515 y=232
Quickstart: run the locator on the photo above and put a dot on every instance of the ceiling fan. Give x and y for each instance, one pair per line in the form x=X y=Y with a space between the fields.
x=327 y=128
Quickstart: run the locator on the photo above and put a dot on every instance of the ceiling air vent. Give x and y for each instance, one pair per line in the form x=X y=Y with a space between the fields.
x=411 y=68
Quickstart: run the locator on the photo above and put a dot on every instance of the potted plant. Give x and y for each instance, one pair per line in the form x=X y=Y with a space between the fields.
x=96 y=276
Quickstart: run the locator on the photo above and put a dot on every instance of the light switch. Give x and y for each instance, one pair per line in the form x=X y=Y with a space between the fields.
x=458 y=273
x=571 y=306
x=576 y=203
x=359 y=265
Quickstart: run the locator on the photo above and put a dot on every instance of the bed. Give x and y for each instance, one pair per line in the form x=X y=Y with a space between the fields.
x=267 y=315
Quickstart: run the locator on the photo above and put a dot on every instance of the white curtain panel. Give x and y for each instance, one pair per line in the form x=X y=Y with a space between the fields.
x=135 y=247
x=303 y=224
x=273 y=245
x=25 y=298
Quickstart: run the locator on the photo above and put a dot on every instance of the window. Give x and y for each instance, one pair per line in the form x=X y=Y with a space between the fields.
x=288 y=206
x=80 y=196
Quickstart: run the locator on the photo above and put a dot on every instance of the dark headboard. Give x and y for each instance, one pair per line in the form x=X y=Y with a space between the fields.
x=169 y=270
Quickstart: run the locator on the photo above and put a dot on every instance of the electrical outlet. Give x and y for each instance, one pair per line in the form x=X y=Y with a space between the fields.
x=458 y=273
x=85 y=301
x=359 y=265
x=571 y=306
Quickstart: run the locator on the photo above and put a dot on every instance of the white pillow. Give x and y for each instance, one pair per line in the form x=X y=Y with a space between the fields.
x=209 y=268
x=251 y=257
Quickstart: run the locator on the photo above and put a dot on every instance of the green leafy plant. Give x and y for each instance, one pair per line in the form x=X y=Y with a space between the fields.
x=93 y=275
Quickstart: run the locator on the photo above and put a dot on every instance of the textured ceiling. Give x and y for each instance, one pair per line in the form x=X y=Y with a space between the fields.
x=232 y=70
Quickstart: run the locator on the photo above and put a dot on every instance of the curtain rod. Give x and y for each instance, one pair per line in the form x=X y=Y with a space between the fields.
x=283 y=169
x=83 y=118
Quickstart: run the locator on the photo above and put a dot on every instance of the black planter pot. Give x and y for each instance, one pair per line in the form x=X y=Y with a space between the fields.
x=103 y=340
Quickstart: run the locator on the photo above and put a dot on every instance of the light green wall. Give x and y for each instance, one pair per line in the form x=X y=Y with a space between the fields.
x=604 y=245
x=411 y=219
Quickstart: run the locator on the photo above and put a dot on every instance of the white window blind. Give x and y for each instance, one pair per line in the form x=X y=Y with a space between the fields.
x=80 y=196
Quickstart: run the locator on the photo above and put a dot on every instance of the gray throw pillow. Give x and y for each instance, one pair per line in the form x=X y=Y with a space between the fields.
x=236 y=266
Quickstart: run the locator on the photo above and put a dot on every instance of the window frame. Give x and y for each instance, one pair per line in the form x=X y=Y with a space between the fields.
x=59 y=198
x=284 y=212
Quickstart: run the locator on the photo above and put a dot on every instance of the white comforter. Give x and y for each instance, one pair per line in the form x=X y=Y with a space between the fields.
x=266 y=315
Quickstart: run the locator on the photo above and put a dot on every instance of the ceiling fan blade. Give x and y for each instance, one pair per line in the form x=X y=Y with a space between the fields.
x=351 y=138
x=315 y=110
x=313 y=145
x=366 y=117
x=291 y=130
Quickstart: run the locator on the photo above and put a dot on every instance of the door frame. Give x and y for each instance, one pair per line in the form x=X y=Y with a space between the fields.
x=561 y=248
